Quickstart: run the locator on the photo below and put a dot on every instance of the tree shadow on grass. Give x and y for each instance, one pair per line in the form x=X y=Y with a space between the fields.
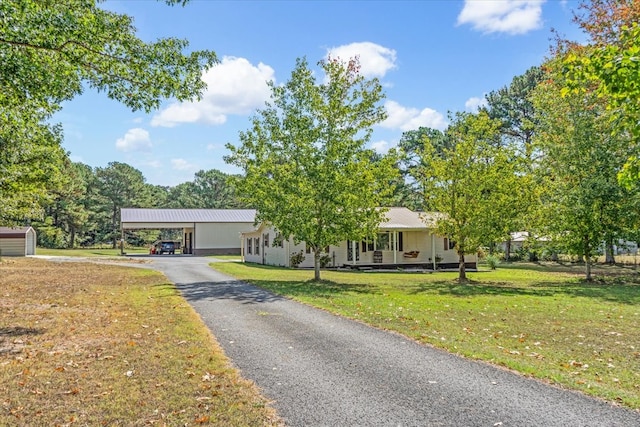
x=611 y=291
x=321 y=288
x=16 y=331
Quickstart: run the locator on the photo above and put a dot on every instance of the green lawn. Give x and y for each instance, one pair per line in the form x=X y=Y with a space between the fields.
x=91 y=252
x=540 y=320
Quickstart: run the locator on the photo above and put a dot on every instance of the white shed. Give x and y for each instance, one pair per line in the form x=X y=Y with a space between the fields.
x=19 y=241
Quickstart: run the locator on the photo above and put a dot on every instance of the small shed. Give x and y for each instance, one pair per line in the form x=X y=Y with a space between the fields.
x=18 y=241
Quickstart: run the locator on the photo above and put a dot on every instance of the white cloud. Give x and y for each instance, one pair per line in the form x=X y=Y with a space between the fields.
x=502 y=16
x=474 y=103
x=182 y=165
x=375 y=60
x=136 y=139
x=380 y=147
x=405 y=119
x=234 y=86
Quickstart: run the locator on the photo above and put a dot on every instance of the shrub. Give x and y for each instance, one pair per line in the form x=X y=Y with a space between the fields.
x=492 y=261
x=325 y=260
x=296 y=259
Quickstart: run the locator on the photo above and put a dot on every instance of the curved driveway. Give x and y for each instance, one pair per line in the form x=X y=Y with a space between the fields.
x=323 y=370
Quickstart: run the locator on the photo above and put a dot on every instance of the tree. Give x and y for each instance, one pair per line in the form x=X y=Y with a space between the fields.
x=49 y=52
x=410 y=148
x=120 y=186
x=474 y=183
x=511 y=105
x=67 y=214
x=306 y=168
x=30 y=162
x=209 y=190
x=582 y=204
x=609 y=65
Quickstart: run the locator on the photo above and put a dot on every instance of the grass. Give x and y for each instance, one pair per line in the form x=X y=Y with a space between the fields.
x=540 y=320
x=90 y=252
x=228 y=257
x=93 y=344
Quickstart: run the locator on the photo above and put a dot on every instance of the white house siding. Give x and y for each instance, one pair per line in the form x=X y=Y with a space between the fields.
x=416 y=229
x=219 y=238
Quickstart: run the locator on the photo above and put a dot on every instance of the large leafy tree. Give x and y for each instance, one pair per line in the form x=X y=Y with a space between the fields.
x=582 y=204
x=609 y=65
x=473 y=182
x=306 y=168
x=49 y=52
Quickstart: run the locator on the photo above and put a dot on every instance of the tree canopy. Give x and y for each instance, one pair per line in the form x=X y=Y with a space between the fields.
x=306 y=166
x=471 y=183
x=49 y=52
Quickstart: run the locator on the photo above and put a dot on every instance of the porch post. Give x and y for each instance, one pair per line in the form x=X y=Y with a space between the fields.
x=433 y=250
x=395 y=247
x=241 y=247
x=353 y=252
x=287 y=255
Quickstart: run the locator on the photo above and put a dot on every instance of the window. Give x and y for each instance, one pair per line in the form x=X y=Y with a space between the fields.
x=257 y=242
x=266 y=240
x=307 y=248
x=249 y=240
x=383 y=242
x=368 y=245
x=277 y=241
x=449 y=244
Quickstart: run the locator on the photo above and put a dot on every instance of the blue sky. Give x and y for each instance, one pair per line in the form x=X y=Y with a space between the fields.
x=432 y=57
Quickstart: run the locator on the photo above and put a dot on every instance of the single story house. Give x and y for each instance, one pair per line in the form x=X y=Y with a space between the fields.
x=204 y=231
x=18 y=241
x=405 y=239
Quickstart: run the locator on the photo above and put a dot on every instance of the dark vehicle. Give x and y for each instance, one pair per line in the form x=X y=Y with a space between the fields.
x=165 y=247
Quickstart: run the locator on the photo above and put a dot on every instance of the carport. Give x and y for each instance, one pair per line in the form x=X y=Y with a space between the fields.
x=204 y=231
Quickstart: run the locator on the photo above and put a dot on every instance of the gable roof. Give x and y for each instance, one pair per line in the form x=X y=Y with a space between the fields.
x=13 y=232
x=134 y=215
x=404 y=218
x=395 y=219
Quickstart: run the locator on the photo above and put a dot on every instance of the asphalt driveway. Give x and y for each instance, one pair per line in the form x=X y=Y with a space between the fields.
x=323 y=370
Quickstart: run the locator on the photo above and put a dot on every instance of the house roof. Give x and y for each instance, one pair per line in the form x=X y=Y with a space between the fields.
x=13 y=232
x=404 y=218
x=397 y=219
x=131 y=215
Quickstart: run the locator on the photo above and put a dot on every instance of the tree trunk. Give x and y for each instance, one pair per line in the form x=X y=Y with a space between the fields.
x=507 y=249
x=609 y=258
x=588 y=268
x=114 y=224
x=72 y=237
x=462 y=272
x=316 y=264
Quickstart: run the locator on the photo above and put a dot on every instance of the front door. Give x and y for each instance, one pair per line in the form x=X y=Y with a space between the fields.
x=351 y=248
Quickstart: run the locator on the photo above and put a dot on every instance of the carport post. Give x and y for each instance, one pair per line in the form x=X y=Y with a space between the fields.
x=121 y=240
